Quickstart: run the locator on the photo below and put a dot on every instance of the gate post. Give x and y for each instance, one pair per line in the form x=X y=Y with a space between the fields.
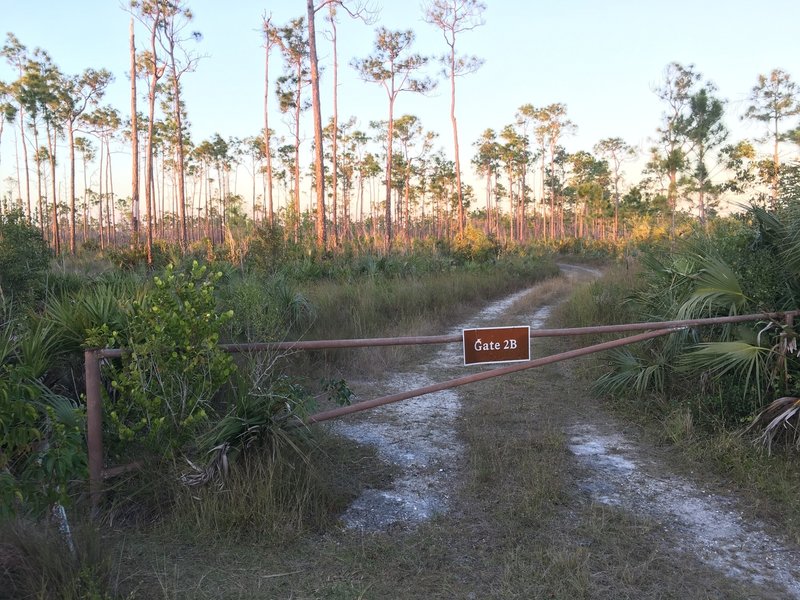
x=94 y=428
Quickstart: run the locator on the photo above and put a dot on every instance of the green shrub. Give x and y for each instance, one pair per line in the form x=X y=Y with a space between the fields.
x=165 y=384
x=41 y=442
x=267 y=250
x=24 y=257
x=475 y=245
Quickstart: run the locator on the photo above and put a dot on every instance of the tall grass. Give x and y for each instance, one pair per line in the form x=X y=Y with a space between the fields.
x=273 y=495
x=36 y=562
x=265 y=497
x=409 y=305
x=601 y=302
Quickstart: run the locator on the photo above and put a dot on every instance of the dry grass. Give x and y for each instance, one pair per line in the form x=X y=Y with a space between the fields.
x=520 y=527
x=37 y=562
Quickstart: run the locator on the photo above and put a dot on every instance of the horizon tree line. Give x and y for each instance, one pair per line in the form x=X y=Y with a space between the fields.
x=534 y=188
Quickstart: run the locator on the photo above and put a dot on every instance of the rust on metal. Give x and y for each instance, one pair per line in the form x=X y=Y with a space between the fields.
x=437 y=387
x=449 y=339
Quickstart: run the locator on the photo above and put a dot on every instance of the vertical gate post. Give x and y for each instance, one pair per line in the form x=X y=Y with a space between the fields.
x=94 y=428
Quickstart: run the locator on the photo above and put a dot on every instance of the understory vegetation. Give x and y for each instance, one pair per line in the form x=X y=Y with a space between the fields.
x=210 y=444
x=723 y=374
x=725 y=395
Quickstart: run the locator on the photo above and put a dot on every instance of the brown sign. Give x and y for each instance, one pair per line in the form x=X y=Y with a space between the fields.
x=496 y=344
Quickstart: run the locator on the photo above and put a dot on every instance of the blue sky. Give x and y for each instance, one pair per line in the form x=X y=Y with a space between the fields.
x=601 y=58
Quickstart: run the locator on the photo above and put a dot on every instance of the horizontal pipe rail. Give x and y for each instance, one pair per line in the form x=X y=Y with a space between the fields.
x=475 y=377
x=450 y=339
x=678 y=324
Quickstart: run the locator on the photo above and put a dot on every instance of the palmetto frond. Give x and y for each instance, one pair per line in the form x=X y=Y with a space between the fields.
x=779 y=421
x=270 y=419
x=64 y=410
x=717 y=289
x=669 y=280
x=630 y=373
x=74 y=316
x=747 y=361
x=772 y=230
x=782 y=234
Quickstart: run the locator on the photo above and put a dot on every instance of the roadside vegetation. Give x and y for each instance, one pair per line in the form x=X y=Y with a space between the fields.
x=724 y=395
x=218 y=451
x=215 y=438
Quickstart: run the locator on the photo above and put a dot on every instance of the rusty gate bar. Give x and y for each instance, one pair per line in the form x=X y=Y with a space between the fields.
x=449 y=339
x=678 y=324
x=437 y=387
x=344 y=343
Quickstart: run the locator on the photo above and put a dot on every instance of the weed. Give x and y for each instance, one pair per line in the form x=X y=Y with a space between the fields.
x=36 y=562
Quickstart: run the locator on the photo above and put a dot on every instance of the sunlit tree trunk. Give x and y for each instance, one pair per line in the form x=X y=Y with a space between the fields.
x=335 y=128
x=268 y=42
x=51 y=142
x=134 y=145
x=100 y=222
x=319 y=171
x=110 y=188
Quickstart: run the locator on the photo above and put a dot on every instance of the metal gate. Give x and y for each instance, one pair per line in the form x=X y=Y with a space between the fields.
x=93 y=358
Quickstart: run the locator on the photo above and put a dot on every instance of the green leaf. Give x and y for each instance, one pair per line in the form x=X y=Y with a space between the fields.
x=746 y=361
x=717 y=289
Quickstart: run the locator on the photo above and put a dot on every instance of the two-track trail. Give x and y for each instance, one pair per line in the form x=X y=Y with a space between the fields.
x=609 y=467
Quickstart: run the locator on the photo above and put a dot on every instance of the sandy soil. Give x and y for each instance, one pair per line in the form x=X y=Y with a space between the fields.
x=419 y=437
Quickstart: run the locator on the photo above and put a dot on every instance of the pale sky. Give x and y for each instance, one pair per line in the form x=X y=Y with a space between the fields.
x=602 y=58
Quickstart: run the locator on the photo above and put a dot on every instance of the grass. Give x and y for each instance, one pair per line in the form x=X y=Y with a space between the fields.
x=402 y=306
x=519 y=526
x=37 y=562
x=277 y=495
x=692 y=425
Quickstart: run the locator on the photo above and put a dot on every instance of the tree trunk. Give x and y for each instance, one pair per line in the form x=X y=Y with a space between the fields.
x=40 y=209
x=134 y=146
x=110 y=187
x=25 y=163
x=148 y=168
x=179 y=162
x=319 y=171
x=459 y=194
x=335 y=132
x=71 y=144
x=100 y=197
x=51 y=140
x=267 y=150
x=389 y=144
x=776 y=164
x=85 y=204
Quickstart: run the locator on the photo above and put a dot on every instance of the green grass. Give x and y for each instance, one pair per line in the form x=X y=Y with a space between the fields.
x=275 y=495
x=407 y=306
x=519 y=524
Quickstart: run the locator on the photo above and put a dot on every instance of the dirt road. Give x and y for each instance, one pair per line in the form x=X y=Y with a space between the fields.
x=677 y=525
